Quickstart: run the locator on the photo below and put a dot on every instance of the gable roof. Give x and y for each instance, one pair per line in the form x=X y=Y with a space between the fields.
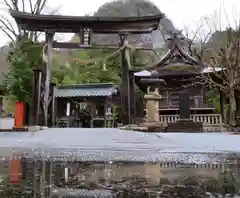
x=85 y=90
x=176 y=61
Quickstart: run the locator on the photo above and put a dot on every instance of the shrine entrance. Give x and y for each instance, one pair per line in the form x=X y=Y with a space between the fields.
x=85 y=27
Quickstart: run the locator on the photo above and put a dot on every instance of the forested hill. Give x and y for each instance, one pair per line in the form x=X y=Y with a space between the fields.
x=140 y=59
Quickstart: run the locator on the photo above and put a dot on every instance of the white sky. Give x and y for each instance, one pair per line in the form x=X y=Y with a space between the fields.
x=182 y=12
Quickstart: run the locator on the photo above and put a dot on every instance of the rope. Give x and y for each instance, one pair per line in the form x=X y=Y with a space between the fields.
x=87 y=62
x=44 y=56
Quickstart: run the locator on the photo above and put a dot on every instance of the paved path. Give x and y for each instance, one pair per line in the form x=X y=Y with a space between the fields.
x=115 y=144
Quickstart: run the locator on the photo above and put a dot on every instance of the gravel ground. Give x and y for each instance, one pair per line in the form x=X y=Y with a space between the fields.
x=115 y=144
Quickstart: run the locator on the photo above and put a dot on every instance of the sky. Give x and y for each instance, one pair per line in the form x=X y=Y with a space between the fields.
x=183 y=13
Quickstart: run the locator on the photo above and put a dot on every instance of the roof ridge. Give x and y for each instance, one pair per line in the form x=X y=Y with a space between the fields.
x=89 y=85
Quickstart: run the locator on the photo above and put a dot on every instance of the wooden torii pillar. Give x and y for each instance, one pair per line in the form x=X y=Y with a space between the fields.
x=42 y=86
x=48 y=76
x=36 y=97
x=125 y=92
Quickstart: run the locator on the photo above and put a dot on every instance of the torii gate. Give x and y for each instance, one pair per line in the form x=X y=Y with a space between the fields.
x=51 y=24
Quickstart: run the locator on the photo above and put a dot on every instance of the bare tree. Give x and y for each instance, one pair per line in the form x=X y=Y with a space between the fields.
x=10 y=28
x=220 y=52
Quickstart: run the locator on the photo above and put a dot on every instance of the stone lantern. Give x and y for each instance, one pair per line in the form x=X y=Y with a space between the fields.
x=109 y=118
x=152 y=98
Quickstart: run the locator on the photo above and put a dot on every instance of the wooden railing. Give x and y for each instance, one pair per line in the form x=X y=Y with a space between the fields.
x=206 y=119
x=211 y=122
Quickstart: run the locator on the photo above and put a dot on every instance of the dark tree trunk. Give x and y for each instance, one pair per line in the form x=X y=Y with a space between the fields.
x=233 y=108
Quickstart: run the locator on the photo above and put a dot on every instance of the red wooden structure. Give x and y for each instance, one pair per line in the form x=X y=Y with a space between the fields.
x=20 y=113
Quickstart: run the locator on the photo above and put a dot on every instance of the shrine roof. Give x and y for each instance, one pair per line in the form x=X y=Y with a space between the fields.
x=146 y=73
x=72 y=24
x=179 y=68
x=85 y=90
x=177 y=61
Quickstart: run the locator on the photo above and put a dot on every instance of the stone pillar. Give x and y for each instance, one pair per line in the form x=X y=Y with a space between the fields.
x=184 y=105
x=152 y=104
x=152 y=98
x=185 y=124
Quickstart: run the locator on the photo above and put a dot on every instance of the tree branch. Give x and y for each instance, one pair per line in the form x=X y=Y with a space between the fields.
x=9 y=6
x=31 y=6
x=8 y=29
x=39 y=5
x=15 y=4
x=8 y=24
x=7 y=34
x=35 y=9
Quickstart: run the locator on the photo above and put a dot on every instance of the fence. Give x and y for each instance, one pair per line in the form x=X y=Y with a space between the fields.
x=211 y=122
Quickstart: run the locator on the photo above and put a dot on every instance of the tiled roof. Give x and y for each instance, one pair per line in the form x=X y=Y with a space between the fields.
x=85 y=90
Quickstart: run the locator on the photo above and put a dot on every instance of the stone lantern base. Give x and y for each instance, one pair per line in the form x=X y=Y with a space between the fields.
x=154 y=127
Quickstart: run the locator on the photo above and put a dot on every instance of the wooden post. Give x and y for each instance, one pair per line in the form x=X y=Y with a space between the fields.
x=35 y=177
x=52 y=105
x=131 y=96
x=1 y=105
x=43 y=179
x=48 y=76
x=50 y=179
x=105 y=111
x=223 y=102
x=35 y=109
x=125 y=85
